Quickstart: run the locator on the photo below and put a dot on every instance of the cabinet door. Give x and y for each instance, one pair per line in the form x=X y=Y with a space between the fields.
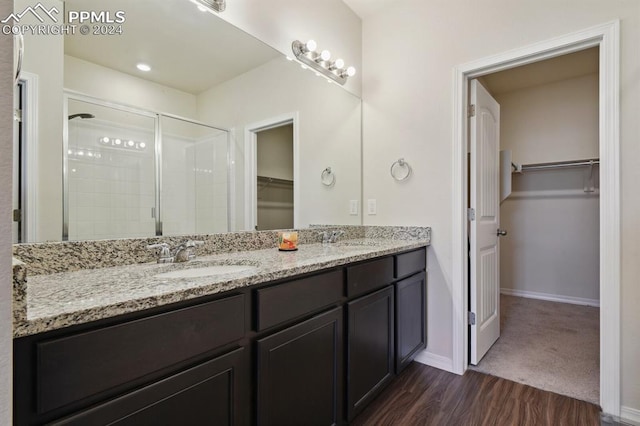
x=411 y=321
x=216 y=392
x=370 y=348
x=300 y=373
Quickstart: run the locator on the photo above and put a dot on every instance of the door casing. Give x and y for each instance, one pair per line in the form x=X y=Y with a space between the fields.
x=607 y=38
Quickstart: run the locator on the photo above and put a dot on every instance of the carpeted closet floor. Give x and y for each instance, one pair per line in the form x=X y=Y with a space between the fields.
x=548 y=345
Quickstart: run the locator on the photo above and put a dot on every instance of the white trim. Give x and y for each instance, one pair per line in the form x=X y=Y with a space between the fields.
x=231 y=178
x=436 y=361
x=607 y=37
x=630 y=414
x=551 y=297
x=251 y=166
x=30 y=118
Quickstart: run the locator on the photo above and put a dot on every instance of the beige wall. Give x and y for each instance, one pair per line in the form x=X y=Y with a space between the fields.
x=43 y=57
x=552 y=248
x=329 y=133
x=331 y=23
x=551 y=122
x=409 y=52
x=6 y=145
x=275 y=152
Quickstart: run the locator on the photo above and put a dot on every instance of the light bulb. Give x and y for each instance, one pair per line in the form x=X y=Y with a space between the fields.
x=142 y=145
x=311 y=46
x=118 y=141
x=80 y=153
x=105 y=140
x=325 y=55
x=131 y=143
x=351 y=71
x=339 y=63
x=143 y=67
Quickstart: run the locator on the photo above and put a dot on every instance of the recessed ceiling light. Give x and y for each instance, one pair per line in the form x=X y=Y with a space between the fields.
x=143 y=67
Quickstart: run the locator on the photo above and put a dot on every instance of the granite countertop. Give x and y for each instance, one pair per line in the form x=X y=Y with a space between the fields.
x=57 y=300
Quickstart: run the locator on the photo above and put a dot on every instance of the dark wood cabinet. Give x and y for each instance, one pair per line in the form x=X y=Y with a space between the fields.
x=212 y=393
x=300 y=373
x=314 y=349
x=370 y=350
x=411 y=321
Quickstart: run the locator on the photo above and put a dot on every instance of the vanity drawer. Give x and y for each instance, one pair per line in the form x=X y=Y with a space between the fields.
x=410 y=263
x=286 y=301
x=72 y=368
x=369 y=276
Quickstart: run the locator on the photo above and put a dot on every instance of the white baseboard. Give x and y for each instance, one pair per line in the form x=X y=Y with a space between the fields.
x=436 y=361
x=551 y=297
x=630 y=414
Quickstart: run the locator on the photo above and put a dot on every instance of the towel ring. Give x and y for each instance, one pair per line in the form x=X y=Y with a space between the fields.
x=400 y=170
x=328 y=178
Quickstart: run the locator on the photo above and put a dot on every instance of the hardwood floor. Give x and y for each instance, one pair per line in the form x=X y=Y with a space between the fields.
x=423 y=395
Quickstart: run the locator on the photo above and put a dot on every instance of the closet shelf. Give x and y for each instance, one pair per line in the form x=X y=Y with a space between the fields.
x=556 y=165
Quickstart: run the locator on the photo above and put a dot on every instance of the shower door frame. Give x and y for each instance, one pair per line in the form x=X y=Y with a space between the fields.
x=157 y=117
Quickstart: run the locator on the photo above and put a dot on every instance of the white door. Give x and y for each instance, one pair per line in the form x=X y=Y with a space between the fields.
x=484 y=228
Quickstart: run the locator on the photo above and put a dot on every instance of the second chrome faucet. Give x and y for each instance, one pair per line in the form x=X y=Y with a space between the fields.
x=183 y=253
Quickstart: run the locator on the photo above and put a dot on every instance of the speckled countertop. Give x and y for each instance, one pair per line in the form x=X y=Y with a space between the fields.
x=56 y=300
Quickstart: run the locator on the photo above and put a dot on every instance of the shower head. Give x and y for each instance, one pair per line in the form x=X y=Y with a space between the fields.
x=82 y=115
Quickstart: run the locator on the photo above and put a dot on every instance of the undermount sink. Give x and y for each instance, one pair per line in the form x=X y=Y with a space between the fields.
x=207 y=271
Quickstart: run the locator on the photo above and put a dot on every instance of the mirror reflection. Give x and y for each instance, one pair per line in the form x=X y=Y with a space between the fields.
x=222 y=133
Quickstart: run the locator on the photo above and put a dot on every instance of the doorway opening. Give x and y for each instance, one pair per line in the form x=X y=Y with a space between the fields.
x=547 y=294
x=606 y=37
x=272 y=173
x=274 y=180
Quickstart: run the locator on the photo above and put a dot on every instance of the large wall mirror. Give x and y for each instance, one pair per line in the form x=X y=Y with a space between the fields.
x=222 y=133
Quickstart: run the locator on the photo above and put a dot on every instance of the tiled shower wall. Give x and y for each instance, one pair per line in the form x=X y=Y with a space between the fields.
x=112 y=190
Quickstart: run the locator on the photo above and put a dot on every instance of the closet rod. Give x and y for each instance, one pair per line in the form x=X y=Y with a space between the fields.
x=560 y=164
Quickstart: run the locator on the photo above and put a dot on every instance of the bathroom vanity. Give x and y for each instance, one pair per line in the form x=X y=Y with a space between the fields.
x=312 y=339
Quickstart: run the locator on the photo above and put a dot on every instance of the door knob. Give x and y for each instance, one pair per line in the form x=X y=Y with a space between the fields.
x=501 y=232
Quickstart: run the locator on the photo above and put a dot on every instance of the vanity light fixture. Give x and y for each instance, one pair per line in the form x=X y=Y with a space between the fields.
x=321 y=62
x=210 y=5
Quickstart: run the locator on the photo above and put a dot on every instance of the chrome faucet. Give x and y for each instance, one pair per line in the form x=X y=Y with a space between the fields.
x=164 y=253
x=335 y=235
x=183 y=253
x=186 y=251
x=330 y=237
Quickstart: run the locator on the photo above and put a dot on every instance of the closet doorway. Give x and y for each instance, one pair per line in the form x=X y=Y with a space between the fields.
x=272 y=173
x=549 y=260
x=274 y=153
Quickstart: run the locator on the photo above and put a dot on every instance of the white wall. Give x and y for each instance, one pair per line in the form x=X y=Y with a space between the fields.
x=409 y=52
x=331 y=23
x=88 y=78
x=329 y=133
x=6 y=147
x=552 y=248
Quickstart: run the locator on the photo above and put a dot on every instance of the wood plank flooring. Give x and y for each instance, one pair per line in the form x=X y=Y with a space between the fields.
x=423 y=395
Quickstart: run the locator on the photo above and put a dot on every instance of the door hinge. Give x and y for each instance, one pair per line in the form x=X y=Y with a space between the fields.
x=472 y=318
x=472 y=110
x=17 y=215
x=17 y=115
x=471 y=214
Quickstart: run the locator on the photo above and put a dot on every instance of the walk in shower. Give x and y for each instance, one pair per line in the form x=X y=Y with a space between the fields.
x=135 y=173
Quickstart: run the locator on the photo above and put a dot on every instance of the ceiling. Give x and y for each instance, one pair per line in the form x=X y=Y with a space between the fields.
x=364 y=8
x=560 y=68
x=188 y=50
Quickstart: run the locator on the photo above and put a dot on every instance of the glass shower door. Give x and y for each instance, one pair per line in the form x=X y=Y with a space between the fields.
x=194 y=194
